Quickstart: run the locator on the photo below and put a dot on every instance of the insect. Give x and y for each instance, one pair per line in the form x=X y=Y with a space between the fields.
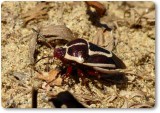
x=87 y=58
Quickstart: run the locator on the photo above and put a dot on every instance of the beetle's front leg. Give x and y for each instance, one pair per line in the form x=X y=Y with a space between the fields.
x=69 y=71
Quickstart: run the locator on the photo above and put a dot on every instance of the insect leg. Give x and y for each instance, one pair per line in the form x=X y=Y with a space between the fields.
x=81 y=75
x=69 y=71
x=93 y=73
x=84 y=81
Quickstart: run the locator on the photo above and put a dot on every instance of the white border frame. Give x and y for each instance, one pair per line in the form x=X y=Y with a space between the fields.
x=155 y=109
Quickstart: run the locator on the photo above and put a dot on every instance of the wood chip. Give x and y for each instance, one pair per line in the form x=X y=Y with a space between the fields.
x=39 y=12
x=100 y=8
x=32 y=47
x=54 y=32
x=112 y=97
x=20 y=76
x=104 y=39
x=51 y=77
x=131 y=94
x=125 y=104
x=140 y=105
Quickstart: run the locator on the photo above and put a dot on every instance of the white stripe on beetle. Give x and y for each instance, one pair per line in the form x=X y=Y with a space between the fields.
x=100 y=65
x=78 y=59
x=108 y=71
x=99 y=53
x=74 y=45
x=81 y=60
x=91 y=52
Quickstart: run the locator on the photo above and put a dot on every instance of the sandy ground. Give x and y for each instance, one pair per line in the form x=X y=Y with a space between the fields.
x=133 y=34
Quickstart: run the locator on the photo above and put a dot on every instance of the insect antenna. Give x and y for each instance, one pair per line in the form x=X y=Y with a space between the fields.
x=42 y=59
x=45 y=41
x=43 y=37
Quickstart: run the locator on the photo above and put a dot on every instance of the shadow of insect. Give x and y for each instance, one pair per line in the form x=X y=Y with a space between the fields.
x=67 y=99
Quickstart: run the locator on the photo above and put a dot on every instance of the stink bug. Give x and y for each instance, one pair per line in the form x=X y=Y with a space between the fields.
x=87 y=58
